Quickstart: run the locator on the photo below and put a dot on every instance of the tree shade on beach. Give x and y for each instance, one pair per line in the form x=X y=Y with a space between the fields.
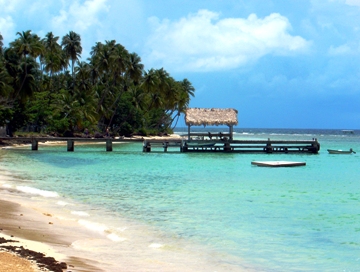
x=46 y=88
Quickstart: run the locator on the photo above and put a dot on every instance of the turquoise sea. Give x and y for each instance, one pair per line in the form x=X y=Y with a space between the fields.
x=204 y=212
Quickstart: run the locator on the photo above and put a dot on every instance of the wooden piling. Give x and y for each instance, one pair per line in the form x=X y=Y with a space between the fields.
x=146 y=146
x=70 y=145
x=109 y=145
x=34 y=144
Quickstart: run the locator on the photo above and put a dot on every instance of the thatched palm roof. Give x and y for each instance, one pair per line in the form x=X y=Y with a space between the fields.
x=210 y=117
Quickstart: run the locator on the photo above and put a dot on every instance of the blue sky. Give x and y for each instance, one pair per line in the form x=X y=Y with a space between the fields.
x=281 y=64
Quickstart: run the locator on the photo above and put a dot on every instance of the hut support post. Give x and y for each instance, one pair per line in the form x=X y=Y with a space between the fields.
x=34 y=144
x=109 y=145
x=231 y=132
x=189 y=133
x=70 y=145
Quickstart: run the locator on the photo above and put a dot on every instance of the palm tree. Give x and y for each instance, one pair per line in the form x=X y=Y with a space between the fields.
x=1 y=43
x=53 y=56
x=120 y=61
x=26 y=45
x=135 y=68
x=183 y=99
x=72 y=46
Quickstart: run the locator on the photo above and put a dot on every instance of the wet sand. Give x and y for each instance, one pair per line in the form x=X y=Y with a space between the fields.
x=27 y=232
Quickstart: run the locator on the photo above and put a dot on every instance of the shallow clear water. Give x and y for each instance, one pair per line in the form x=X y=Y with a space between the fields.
x=272 y=219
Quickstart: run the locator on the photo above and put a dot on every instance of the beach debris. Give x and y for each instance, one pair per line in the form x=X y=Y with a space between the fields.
x=41 y=260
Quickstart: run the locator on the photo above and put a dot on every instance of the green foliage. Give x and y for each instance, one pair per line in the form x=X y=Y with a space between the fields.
x=44 y=88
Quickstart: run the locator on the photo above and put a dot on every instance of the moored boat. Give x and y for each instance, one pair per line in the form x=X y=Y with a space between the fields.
x=339 y=151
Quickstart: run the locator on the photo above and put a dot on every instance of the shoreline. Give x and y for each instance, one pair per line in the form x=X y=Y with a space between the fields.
x=25 y=232
x=39 y=228
x=66 y=238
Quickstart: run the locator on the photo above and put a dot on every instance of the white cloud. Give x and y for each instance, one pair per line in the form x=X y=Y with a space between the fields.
x=340 y=50
x=6 y=27
x=79 y=16
x=10 y=6
x=345 y=49
x=353 y=2
x=203 y=42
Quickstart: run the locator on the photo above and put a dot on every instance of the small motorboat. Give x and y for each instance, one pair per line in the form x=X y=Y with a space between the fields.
x=336 y=151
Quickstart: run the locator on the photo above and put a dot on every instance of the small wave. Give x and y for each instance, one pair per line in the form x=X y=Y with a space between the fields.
x=101 y=229
x=115 y=238
x=155 y=245
x=97 y=227
x=80 y=213
x=62 y=203
x=35 y=191
x=8 y=186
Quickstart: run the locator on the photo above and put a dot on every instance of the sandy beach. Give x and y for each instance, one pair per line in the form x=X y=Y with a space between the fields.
x=23 y=229
x=32 y=239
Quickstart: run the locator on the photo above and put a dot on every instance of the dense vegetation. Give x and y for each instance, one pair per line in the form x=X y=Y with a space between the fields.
x=44 y=87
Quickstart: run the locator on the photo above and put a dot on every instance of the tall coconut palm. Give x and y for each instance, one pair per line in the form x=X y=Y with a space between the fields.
x=52 y=54
x=120 y=61
x=26 y=45
x=72 y=46
x=135 y=68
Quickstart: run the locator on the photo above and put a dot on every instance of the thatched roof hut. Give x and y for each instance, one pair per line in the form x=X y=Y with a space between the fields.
x=210 y=117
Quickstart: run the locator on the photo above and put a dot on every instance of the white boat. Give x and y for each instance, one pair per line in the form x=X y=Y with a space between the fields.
x=334 y=151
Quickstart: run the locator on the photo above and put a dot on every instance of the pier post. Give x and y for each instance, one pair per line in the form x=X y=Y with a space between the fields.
x=165 y=145
x=70 y=145
x=227 y=147
x=34 y=144
x=109 y=145
x=146 y=147
x=268 y=148
x=183 y=146
x=316 y=146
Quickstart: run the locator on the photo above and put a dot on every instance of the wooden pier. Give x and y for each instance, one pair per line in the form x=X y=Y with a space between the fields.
x=235 y=146
x=203 y=145
x=34 y=141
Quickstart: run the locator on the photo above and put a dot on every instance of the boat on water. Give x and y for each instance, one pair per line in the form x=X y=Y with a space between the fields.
x=339 y=151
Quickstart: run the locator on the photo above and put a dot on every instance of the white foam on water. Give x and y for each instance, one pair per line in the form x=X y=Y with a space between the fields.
x=62 y=203
x=115 y=238
x=155 y=245
x=122 y=229
x=80 y=213
x=34 y=191
x=93 y=226
x=8 y=186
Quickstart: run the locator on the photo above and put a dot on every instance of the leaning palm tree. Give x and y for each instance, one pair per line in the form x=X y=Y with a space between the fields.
x=72 y=46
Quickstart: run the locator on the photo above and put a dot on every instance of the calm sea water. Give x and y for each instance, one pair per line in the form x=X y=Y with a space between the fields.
x=216 y=208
